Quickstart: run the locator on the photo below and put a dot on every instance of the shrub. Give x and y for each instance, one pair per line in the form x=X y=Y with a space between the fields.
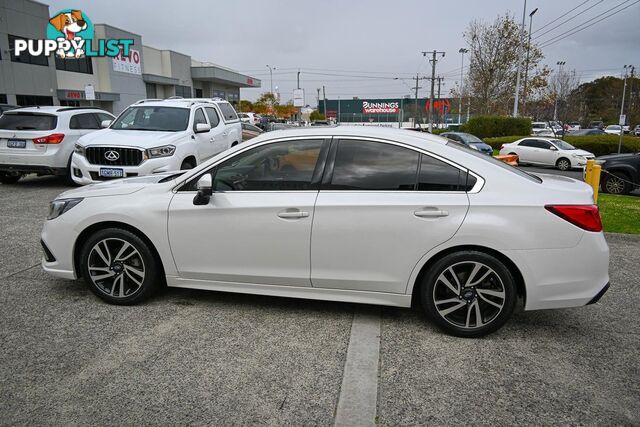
x=494 y=126
x=316 y=115
x=596 y=144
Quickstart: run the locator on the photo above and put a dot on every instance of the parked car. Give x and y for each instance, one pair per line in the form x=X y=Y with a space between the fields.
x=596 y=124
x=251 y=118
x=636 y=130
x=546 y=129
x=620 y=173
x=470 y=141
x=250 y=131
x=626 y=128
x=583 y=132
x=397 y=217
x=7 y=107
x=547 y=152
x=41 y=139
x=157 y=136
x=573 y=126
x=613 y=130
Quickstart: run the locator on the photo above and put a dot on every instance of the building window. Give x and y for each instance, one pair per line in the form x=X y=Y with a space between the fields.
x=198 y=93
x=25 y=57
x=183 y=91
x=3 y=98
x=80 y=65
x=27 y=100
x=218 y=94
x=64 y=103
x=151 y=90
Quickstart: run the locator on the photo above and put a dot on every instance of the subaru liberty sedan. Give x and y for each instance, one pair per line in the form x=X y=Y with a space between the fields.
x=356 y=214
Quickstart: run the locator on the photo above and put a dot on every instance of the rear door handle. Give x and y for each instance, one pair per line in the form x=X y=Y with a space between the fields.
x=293 y=214
x=431 y=213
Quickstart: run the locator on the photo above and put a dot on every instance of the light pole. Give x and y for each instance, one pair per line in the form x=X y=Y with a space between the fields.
x=526 y=66
x=517 y=94
x=624 y=91
x=271 y=75
x=558 y=77
x=461 y=51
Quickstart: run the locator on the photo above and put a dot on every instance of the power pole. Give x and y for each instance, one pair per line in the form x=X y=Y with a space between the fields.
x=517 y=94
x=438 y=98
x=324 y=97
x=415 y=120
x=526 y=66
x=433 y=61
x=624 y=91
x=318 y=98
x=462 y=51
x=555 y=107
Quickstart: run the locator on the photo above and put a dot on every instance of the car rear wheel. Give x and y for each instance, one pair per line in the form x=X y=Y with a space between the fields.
x=469 y=294
x=615 y=183
x=9 y=178
x=563 y=164
x=119 y=266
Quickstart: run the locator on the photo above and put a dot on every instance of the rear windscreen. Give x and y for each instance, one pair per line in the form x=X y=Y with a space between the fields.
x=27 y=121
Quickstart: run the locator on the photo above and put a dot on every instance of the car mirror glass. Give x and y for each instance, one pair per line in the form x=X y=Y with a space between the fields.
x=105 y=123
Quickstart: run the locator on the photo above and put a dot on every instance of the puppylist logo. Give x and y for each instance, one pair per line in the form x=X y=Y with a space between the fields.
x=70 y=35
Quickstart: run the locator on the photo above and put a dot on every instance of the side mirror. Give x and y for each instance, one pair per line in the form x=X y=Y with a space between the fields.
x=202 y=127
x=552 y=148
x=205 y=190
x=105 y=123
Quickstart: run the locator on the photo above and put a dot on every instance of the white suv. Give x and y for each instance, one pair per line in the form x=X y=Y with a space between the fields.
x=41 y=139
x=154 y=136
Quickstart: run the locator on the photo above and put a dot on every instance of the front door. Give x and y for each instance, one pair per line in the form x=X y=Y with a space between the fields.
x=204 y=140
x=257 y=225
x=378 y=216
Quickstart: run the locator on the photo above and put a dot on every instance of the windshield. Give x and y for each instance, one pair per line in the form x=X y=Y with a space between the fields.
x=613 y=127
x=562 y=144
x=158 y=119
x=27 y=121
x=472 y=139
x=496 y=162
x=538 y=125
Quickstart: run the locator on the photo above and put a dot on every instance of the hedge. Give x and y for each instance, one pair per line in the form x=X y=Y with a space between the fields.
x=486 y=126
x=596 y=144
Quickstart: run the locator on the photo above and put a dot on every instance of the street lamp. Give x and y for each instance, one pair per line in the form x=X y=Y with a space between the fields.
x=526 y=67
x=461 y=51
x=558 y=77
x=624 y=90
x=271 y=75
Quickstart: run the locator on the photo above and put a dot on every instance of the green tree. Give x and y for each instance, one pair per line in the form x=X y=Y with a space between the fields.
x=245 y=106
x=316 y=115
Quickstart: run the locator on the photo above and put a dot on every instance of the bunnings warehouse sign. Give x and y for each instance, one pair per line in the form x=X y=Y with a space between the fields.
x=369 y=107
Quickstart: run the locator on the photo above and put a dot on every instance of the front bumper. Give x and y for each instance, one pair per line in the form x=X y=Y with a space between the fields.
x=84 y=172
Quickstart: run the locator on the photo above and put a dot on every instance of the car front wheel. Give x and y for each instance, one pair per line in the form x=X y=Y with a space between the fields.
x=563 y=164
x=119 y=266
x=469 y=293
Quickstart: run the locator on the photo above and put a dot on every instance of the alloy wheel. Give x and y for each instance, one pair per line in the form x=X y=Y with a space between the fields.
x=614 y=185
x=469 y=294
x=563 y=164
x=116 y=267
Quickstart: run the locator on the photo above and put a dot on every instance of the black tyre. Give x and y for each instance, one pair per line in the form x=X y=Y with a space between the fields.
x=9 y=178
x=468 y=294
x=68 y=176
x=615 y=183
x=563 y=164
x=119 y=267
x=187 y=164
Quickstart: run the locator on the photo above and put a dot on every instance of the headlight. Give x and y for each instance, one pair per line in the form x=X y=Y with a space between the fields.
x=78 y=149
x=577 y=156
x=164 y=151
x=60 y=206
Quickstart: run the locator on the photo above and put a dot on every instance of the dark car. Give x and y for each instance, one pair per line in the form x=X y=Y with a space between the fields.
x=583 y=132
x=620 y=172
x=469 y=140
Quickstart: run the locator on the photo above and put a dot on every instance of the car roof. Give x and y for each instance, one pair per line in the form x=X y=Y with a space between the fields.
x=57 y=109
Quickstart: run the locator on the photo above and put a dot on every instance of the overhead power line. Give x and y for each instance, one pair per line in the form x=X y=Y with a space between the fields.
x=562 y=15
x=568 y=20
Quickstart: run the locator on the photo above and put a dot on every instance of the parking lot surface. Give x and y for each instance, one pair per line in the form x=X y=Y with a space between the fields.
x=214 y=358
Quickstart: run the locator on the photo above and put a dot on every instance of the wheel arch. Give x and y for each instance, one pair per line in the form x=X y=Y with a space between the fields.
x=627 y=170
x=93 y=228
x=191 y=158
x=513 y=268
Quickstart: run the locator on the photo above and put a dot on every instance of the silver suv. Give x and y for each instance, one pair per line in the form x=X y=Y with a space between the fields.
x=41 y=139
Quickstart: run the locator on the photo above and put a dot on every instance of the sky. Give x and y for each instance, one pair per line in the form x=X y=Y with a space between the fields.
x=368 y=49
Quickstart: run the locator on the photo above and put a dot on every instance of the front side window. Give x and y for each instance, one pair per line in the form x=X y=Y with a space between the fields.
x=280 y=166
x=368 y=165
x=159 y=119
x=199 y=118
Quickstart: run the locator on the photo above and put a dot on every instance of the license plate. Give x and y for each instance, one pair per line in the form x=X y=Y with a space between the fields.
x=16 y=143
x=111 y=173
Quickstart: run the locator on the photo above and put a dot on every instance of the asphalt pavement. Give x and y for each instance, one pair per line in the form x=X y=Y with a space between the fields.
x=223 y=359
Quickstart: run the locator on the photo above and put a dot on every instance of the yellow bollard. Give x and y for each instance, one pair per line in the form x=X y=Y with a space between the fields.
x=588 y=171
x=595 y=181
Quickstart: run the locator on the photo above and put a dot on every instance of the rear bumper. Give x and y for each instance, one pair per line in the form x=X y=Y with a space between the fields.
x=599 y=294
x=39 y=169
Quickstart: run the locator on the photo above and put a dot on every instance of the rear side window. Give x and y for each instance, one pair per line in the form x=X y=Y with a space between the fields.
x=84 y=121
x=368 y=165
x=527 y=143
x=436 y=175
x=28 y=121
x=214 y=120
x=227 y=111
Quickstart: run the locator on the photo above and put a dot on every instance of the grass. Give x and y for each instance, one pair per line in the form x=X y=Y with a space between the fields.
x=620 y=214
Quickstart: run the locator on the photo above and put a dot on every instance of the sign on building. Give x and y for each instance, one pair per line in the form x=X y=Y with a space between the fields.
x=89 y=93
x=128 y=64
x=380 y=107
x=298 y=97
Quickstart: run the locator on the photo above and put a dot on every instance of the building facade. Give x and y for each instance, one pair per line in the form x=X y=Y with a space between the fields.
x=118 y=82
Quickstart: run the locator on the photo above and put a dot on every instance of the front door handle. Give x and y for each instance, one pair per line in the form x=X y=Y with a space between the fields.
x=431 y=213
x=293 y=214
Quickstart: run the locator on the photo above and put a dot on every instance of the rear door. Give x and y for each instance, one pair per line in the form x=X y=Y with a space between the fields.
x=17 y=132
x=526 y=150
x=219 y=140
x=382 y=206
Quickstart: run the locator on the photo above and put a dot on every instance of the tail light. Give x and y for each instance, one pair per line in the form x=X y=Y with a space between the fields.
x=55 y=138
x=586 y=217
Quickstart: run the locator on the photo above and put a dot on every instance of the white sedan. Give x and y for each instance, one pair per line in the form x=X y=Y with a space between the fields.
x=356 y=214
x=547 y=152
x=613 y=129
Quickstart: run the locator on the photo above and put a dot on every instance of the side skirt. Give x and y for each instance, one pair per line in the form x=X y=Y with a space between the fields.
x=361 y=297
